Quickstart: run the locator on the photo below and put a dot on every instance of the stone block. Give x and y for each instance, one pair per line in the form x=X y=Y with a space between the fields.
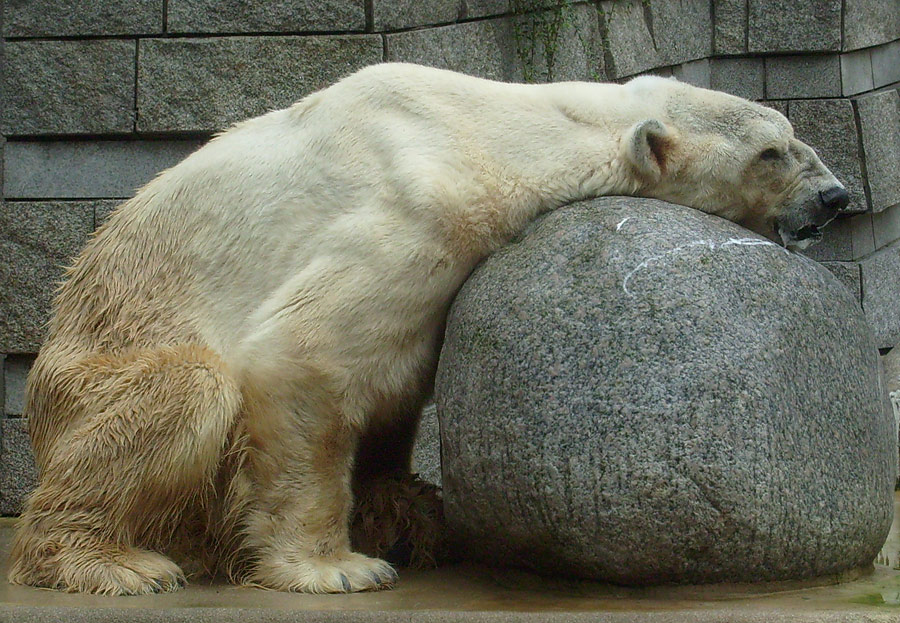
x=87 y=169
x=650 y=424
x=681 y=29
x=879 y=121
x=18 y=473
x=208 y=84
x=562 y=44
x=730 y=19
x=68 y=87
x=744 y=77
x=397 y=14
x=427 y=451
x=886 y=227
x=862 y=233
x=856 y=72
x=38 y=240
x=829 y=127
x=881 y=285
x=239 y=16
x=886 y=64
x=486 y=49
x=803 y=76
x=53 y=18
x=695 y=72
x=487 y=8
x=628 y=41
x=870 y=22
x=778 y=26
x=15 y=372
x=847 y=273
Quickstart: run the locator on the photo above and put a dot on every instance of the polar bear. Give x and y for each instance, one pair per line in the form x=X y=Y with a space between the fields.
x=267 y=314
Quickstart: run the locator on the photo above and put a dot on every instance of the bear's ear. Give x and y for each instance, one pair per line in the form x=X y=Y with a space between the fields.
x=647 y=145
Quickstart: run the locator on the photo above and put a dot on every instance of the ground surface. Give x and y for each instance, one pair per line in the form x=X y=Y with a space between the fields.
x=472 y=593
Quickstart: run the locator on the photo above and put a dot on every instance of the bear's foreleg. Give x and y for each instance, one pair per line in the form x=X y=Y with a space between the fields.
x=301 y=450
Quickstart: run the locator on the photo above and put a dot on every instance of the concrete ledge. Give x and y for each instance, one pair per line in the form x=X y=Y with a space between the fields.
x=471 y=593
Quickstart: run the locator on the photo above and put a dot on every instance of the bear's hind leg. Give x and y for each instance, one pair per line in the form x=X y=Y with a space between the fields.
x=149 y=433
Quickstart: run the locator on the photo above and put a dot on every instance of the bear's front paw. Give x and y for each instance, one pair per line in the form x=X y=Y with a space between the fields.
x=345 y=573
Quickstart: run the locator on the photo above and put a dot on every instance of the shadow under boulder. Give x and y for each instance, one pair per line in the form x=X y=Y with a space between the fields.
x=640 y=393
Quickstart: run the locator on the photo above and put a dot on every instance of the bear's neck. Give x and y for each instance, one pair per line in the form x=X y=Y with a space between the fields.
x=558 y=144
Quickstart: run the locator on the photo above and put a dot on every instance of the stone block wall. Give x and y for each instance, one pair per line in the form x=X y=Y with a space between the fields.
x=99 y=96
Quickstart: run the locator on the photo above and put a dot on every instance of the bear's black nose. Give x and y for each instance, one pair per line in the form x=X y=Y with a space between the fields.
x=835 y=198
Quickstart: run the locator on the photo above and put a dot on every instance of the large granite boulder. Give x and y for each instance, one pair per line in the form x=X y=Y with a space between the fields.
x=640 y=393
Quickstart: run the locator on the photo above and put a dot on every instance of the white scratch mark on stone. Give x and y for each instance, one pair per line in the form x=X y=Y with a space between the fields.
x=622 y=222
x=712 y=246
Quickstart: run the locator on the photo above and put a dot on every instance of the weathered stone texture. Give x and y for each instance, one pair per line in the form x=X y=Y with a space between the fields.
x=632 y=390
x=40 y=18
x=485 y=8
x=696 y=73
x=38 y=240
x=629 y=44
x=427 y=451
x=681 y=29
x=237 y=16
x=847 y=273
x=880 y=284
x=208 y=84
x=485 y=48
x=395 y=14
x=863 y=232
x=68 y=87
x=778 y=26
x=744 y=77
x=523 y=48
x=562 y=44
x=856 y=72
x=87 y=169
x=829 y=127
x=18 y=474
x=15 y=372
x=886 y=227
x=870 y=22
x=803 y=76
x=886 y=64
x=730 y=17
x=879 y=119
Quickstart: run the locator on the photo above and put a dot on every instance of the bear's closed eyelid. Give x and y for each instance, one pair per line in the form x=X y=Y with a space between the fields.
x=770 y=154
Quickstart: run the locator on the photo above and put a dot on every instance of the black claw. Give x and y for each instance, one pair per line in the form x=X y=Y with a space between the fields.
x=375 y=578
x=393 y=577
x=345 y=583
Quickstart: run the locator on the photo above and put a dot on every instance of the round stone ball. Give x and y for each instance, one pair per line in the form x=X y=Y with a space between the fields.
x=640 y=393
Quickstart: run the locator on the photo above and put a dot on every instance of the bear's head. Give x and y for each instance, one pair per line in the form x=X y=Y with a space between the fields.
x=731 y=157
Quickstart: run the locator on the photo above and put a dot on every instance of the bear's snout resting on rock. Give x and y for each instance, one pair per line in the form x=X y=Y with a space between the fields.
x=248 y=342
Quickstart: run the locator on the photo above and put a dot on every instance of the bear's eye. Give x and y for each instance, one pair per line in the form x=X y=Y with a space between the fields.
x=770 y=154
